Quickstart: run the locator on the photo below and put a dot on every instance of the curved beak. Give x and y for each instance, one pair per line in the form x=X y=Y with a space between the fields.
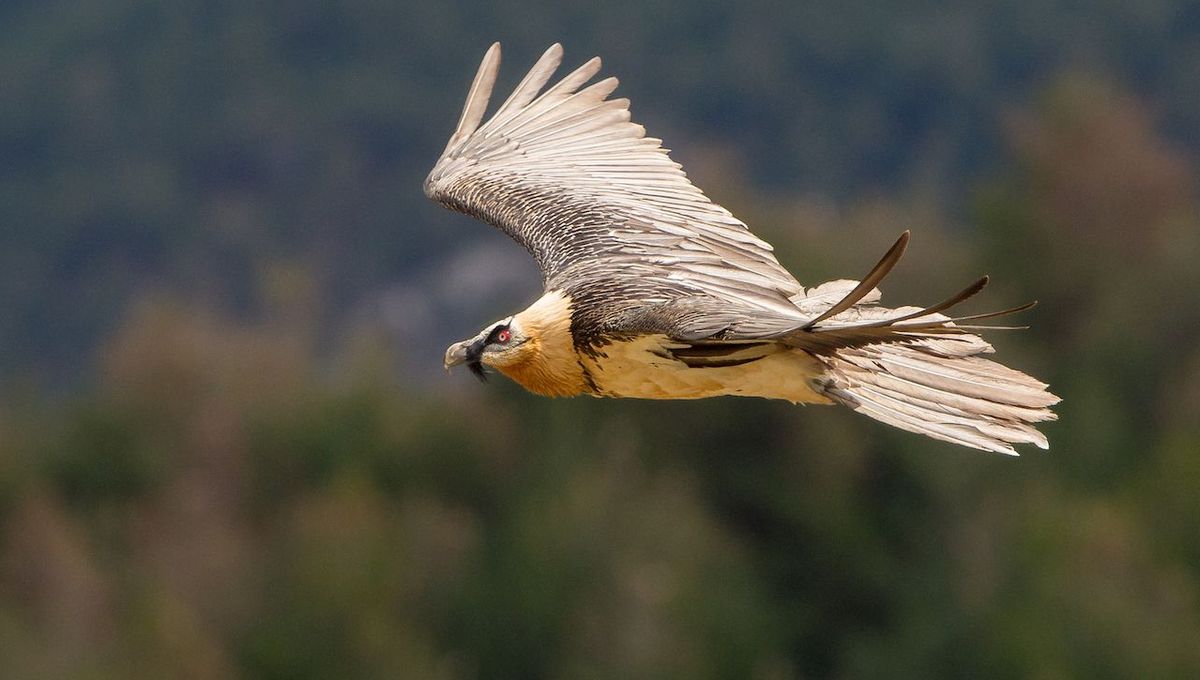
x=467 y=352
x=456 y=354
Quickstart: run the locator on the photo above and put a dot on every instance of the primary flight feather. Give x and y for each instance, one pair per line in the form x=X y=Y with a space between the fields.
x=653 y=291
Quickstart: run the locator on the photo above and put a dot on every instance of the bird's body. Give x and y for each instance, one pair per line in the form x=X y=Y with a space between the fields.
x=652 y=291
x=644 y=366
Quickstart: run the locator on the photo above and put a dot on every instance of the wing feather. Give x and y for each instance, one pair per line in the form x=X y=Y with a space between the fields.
x=565 y=172
x=603 y=209
x=531 y=84
x=878 y=273
x=477 y=97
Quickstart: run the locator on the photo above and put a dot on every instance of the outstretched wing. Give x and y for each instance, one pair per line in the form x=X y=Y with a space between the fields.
x=610 y=217
x=567 y=175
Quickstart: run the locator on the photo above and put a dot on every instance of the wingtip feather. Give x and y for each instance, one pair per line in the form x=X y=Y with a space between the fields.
x=533 y=82
x=868 y=282
x=477 y=96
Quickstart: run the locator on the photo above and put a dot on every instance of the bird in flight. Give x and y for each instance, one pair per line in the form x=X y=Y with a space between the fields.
x=653 y=291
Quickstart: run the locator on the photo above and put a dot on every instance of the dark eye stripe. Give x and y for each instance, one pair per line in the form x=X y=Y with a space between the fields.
x=495 y=332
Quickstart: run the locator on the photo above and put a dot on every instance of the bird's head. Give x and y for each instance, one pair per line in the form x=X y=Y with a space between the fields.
x=500 y=345
x=535 y=348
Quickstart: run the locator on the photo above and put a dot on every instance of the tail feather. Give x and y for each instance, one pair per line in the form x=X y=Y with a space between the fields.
x=917 y=369
x=922 y=388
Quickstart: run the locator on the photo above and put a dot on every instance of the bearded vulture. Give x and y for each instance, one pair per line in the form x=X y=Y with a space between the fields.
x=653 y=291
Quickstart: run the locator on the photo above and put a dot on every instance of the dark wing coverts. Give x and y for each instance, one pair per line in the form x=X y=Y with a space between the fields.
x=595 y=201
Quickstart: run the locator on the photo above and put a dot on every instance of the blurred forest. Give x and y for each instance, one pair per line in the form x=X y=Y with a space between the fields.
x=227 y=448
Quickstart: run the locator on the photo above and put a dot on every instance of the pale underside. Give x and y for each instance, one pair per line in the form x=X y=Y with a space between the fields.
x=643 y=369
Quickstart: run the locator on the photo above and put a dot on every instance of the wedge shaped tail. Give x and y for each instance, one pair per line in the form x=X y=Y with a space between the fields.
x=937 y=388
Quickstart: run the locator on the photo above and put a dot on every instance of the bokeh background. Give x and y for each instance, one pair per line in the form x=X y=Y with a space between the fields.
x=227 y=448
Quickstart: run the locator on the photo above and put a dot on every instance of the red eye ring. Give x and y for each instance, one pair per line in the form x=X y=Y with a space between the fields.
x=504 y=336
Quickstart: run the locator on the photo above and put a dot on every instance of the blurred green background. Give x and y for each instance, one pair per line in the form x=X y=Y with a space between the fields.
x=227 y=448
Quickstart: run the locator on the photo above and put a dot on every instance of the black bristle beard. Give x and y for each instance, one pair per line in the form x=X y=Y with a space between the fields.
x=477 y=368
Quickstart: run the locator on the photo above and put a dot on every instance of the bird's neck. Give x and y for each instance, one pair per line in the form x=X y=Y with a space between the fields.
x=551 y=367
